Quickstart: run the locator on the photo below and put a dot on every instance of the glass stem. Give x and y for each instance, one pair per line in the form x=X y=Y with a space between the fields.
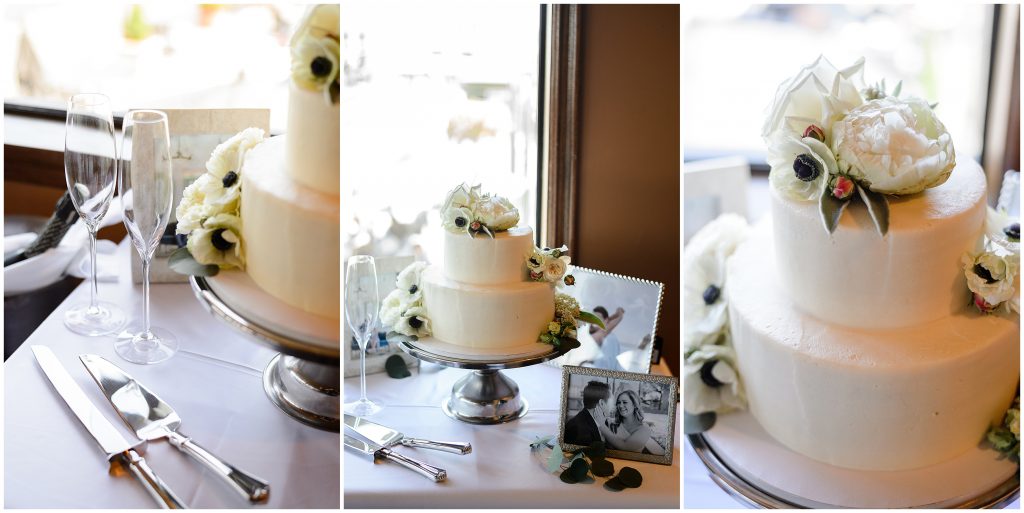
x=362 y=373
x=145 y=296
x=94 y=286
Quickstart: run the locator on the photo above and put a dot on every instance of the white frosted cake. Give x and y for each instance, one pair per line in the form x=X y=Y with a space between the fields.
x=495 y=291
x=871 y=320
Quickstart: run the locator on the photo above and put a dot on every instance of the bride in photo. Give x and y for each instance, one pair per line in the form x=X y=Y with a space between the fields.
x=625 y=429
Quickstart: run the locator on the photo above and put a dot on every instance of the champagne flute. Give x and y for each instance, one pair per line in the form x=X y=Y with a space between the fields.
x=147 y=191
x=90 y=169
x=361 y=305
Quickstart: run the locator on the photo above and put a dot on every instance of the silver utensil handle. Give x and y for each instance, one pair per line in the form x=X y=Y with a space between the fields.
x=251 y=487
x=453 y=447
x=429 y=471
x=163 y=495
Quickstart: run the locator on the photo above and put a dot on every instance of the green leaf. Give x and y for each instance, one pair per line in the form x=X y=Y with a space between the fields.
x=555 y=460
x=542 y=441
x=181 y=262
x=831 y=209
x=568 y=343
x=579 y=469
x=396 y=367
x=878 y=207
x=630 y=477
x=614 y=484
x=602 y=468
x=596 y=450
x=693 y=424
x=567 y=477
x=898 y=88
x=591 y=318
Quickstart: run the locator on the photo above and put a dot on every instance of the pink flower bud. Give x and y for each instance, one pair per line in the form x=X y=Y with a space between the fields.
x=535 y=275
x=816 y=132
x=843 y=187
x=983 y=305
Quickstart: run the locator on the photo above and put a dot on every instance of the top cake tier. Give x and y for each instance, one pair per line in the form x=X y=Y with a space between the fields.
x=313 y=140
x=481 y=260
x=855 y=277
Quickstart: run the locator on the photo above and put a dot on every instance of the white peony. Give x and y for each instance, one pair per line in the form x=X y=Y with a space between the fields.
x=218 y=242
x=409 y=279
x=704 y=259
x=394 y=304
x=992 y=275
x=819 y=94
x=414 y=323
x=894 y=146
x=710 y=381
x=790 y=151
x=497 y=213
x=228 y=155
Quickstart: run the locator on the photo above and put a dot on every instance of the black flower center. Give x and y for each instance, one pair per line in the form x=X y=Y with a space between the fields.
x=415 y=322
x=229 y=179
x=219 y=242
x=706 y=375
x=984 y=273
x=413 y=289
x=321 y=67
x=806 y=168
x=461 y=222
x=1013 y=231
x=711 y=294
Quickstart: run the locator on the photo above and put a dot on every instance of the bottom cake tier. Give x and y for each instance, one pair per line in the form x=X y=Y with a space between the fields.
x=891 y=399
x=486 y=316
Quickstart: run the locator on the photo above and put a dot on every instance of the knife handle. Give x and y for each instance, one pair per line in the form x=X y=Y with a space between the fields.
x=251 y=487
x=154 y=485
x=453 y=447
x=429 y=471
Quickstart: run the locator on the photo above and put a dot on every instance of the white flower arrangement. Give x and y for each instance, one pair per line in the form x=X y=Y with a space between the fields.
x=993 y=272
x=711 y=381
x=561 y=331
x=550 y=265
x=829 y=137
x=316 y=52
x=209 y=212
x=467 y=210
x=402 y=310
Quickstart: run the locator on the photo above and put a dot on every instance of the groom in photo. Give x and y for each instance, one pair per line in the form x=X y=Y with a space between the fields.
x=582 y=429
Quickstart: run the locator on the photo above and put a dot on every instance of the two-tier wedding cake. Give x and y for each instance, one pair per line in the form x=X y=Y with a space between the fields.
x=872 y=322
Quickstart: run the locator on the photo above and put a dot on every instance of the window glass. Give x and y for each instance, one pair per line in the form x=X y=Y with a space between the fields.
x=736 y=56
x=434 y=95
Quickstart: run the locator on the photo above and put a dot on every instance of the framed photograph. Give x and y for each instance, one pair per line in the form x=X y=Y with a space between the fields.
x=633 y=413
x=378 y=349
x=629 y=307
x=194 y=133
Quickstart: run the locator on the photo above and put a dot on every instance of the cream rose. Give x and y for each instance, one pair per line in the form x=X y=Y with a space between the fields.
x=894 y=146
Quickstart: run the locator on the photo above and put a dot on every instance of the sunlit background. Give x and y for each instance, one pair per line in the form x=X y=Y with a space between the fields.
x=433 y=97
x=736 y=56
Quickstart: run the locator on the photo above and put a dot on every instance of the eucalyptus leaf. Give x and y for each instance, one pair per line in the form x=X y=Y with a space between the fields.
x=596 y=450
x=898 y=88
x=630 y=477
x=694 y=424
x=831 y=209
x=555 y=460
x=878 y=208
x=542 y=441
x=591 y=319
x=579 y=469
x=396 y=367
x=614 y=484
x=602 y=468
x=181 y=262
x=568 y=343
x=567 y=477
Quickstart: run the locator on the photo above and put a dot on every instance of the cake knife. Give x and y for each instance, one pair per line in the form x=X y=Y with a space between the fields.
x=388 y=437
x=120 y=453
x=376 y=451
x=152 y=419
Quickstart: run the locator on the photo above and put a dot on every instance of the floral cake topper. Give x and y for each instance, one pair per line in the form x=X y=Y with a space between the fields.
x=316 y=52
x=831 y=139
x=468 y=210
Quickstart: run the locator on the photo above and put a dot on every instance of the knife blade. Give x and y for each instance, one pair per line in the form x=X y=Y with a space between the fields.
x=388 y=437
x=151 y=419
x=119 y=452
x=376 y=451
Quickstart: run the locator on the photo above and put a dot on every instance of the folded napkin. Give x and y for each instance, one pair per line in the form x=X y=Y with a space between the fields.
x=71 y=257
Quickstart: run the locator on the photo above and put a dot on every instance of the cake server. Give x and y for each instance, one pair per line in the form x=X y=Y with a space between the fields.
x=388 y=437
x=152 y=419
x=376 y=451
x=120 y=453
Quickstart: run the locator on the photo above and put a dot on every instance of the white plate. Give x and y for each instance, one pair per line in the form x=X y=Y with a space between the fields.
x=739 y=441
x=239 y=292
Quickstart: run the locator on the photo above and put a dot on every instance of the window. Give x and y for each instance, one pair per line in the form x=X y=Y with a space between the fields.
x=940 y=51
x=433 y=96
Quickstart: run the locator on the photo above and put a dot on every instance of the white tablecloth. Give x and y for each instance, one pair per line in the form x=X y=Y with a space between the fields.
x=501 y=472
x=214 y=383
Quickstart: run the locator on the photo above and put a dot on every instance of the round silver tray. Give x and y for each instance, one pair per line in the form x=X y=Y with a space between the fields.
x=485 y=395
x=751 y=495
x=304 y=381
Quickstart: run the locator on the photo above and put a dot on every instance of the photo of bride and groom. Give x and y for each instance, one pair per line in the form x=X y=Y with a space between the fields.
x=628 y=415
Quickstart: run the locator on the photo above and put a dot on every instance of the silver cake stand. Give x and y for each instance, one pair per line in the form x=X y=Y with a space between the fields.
x=304 y=380
x=485 y=395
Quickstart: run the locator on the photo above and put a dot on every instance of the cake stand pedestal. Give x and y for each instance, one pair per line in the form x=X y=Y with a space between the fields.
x=304 y=380
x=485 y=395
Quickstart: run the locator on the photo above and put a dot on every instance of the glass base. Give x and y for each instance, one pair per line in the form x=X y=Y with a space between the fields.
x=156 y=346
x=362 y=408
x=102 y=319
